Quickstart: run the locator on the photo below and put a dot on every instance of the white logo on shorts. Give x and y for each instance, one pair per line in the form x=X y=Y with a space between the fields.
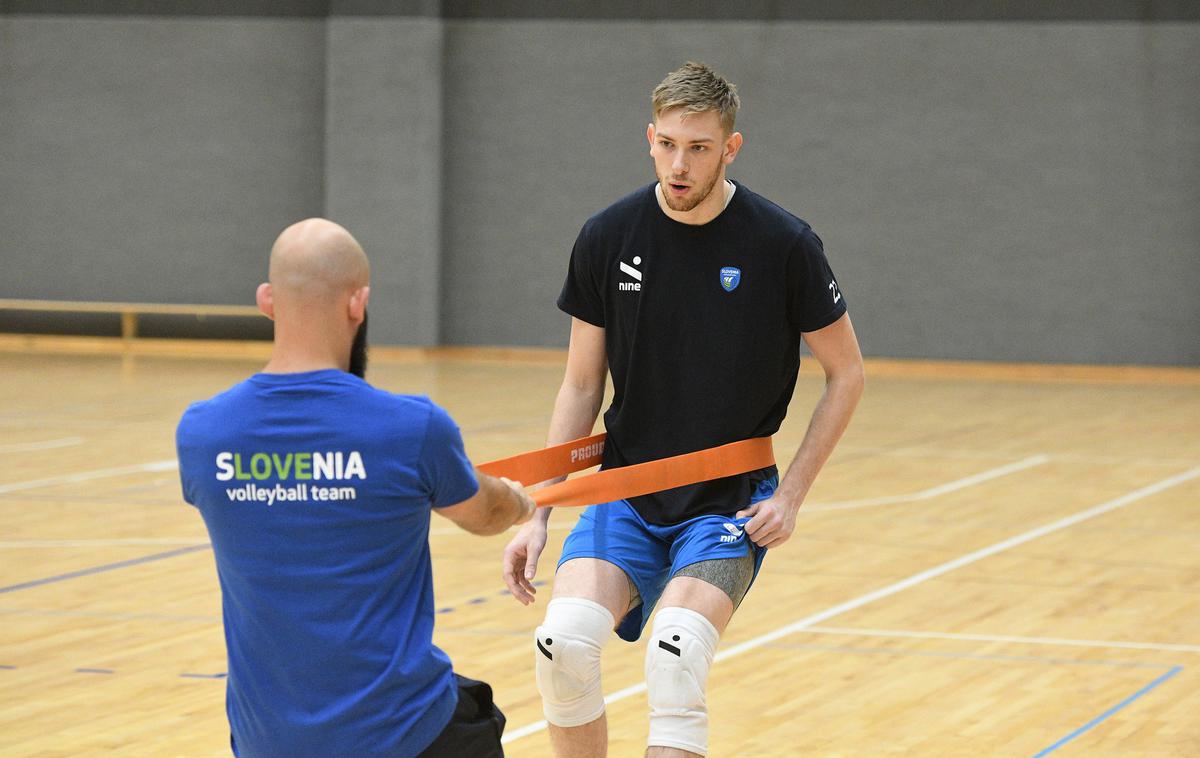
x=734 y=533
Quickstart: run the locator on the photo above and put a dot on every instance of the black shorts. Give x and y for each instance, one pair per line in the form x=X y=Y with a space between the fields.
x=474 y=729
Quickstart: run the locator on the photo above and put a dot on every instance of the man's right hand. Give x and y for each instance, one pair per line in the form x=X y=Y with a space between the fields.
x=520 y=560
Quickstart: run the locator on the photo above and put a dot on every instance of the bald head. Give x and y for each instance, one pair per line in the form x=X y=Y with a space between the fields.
x=317 y=262
x=317 y=296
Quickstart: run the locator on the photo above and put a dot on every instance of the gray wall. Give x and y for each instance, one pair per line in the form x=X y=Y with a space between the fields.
x=150 y=158
x=1001 y=190
x=383 y=156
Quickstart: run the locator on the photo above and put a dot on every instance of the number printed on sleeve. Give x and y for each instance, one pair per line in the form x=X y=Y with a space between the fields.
x=833 y=287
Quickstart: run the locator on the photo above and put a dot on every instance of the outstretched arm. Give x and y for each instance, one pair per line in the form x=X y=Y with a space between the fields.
x=497 y=505
x=836 y=348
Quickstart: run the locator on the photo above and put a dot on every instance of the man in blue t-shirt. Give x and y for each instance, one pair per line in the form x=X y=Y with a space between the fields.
x=695 y=294
x=317 y=489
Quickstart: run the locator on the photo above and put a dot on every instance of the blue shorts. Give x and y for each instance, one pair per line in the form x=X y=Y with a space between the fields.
x=650 y=554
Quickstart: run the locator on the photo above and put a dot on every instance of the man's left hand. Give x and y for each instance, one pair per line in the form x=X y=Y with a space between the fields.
x=772 y=522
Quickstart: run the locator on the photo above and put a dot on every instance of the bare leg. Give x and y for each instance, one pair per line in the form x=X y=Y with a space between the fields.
x=670 y=752
x=604 y=583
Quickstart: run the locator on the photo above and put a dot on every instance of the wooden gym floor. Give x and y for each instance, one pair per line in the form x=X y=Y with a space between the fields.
x=998 y=561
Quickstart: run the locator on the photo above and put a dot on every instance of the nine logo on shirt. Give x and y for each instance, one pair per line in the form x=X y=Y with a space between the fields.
x=634 y=286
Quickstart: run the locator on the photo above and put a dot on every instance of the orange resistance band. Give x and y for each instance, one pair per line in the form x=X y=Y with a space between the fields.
x=628 y=481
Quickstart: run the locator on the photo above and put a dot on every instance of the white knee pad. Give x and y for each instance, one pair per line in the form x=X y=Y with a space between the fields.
x=568 y=660
x=678 y=657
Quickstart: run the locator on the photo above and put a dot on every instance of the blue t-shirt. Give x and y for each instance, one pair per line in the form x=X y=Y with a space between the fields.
x=316 y=490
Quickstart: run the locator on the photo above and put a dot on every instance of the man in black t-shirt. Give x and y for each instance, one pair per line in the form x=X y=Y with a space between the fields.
x=694 y=293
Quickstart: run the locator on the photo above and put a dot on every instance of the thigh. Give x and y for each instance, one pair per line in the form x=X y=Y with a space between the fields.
x=597 y=580
x=693 y=587
x=607 y=537
x=613 y=533
x=713 y=563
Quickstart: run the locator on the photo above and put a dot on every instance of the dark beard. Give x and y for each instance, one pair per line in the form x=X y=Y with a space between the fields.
x=358 y=351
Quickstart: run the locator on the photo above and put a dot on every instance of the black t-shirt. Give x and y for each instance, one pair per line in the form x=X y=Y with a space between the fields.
x=702 y=331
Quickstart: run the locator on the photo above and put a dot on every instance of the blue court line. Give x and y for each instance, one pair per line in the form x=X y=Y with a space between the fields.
x=1046 y=751
x=483 y=599
x=109 y=615
x=102 y=569
x=165 y=617
x=185 y=675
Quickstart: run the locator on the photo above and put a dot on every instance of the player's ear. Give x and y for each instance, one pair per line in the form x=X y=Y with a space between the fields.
x=732 y=145
x=650 y=134
x=265 y=299
x=358 y=303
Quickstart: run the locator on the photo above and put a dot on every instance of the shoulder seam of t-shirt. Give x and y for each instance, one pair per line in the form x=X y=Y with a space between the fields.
x=778 y=207
x=796 y=245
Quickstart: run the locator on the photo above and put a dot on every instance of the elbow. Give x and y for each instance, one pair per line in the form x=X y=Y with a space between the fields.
x=583 y=387
x=483 y=528
x=850 y=380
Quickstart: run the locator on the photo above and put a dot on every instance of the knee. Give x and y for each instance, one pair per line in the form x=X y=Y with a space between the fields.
x=567 y=651
x=678 y=657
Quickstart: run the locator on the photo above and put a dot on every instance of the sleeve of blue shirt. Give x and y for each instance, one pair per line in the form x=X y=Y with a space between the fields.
x=183 y=455
x=448 y=475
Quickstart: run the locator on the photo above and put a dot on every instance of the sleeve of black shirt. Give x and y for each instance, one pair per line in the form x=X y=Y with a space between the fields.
x=581 y=294
x=814 y=299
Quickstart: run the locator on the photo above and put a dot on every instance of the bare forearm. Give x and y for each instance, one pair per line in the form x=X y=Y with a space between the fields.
x=502 y=507
x=829 y=420
x=575 y=412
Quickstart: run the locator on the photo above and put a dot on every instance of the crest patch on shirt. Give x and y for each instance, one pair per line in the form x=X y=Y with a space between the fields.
x=731 y=276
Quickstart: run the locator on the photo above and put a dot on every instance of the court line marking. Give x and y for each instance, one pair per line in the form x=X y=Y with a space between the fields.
x=917 y=451
x=1104 y=716
x=113 y=542
x=109 y=615
x=169 y=464
x=476 y=599
x=1057 y=641
x=932 y=492
x=102 y=568
x=958 y=656
x=943 y=654
x=26 y=447
x=912 y=581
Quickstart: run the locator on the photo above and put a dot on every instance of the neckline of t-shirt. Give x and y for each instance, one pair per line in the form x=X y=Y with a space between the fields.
x=738 y=191
x=296 y=377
